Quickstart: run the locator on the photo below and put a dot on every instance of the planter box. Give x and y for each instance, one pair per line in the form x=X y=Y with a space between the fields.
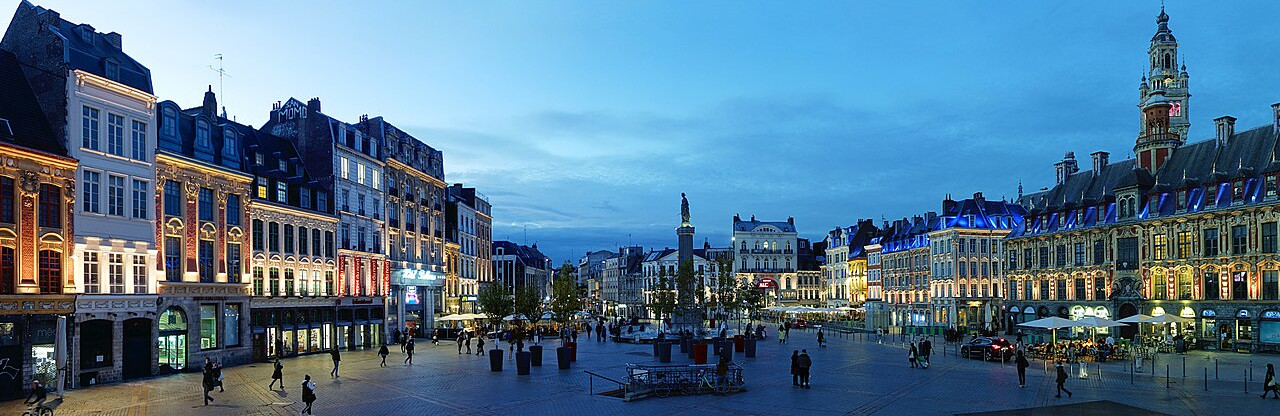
x=739 y=343
x=664 y=352
x=536 y=352
x=522 y=362
x=573 y=350
x=562 y=357
x=700 y=353
x=495 y=360
x=750 y=348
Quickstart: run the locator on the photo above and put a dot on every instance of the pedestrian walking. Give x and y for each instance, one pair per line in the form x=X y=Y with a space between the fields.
x=1022 y=364
x=913 y=354
x=782 y=336
x=1062 y=379
x=408 y=350
x=207 y=380
x=401 y=339
x=459 y=341
x=795 y=368
x=308 y=394
x=1269 y=383
x=468 y=342
x=879 y=335
x=333 y=353
x=574 y=334
x=382 y=352
x=277 y=374
x=435 y=337
x=822 y=339
x=480 y=345
x=805 y=362
x=926 y=351
x=588 y=328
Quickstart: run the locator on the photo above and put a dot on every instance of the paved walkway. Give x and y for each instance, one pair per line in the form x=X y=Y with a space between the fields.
x=851 y=377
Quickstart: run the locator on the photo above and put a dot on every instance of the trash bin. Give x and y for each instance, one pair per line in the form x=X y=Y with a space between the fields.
x=750 y=348
x=684 y=345
x=726 y=348
x=739 y=343
x=573 y=350
x=536 y=353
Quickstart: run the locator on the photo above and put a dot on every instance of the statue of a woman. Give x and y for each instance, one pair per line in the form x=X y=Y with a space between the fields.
x=684 y=209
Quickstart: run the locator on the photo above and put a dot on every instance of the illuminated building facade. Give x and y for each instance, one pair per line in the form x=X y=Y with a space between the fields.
x=845 y=271
x=293 y=266
x=965 y=255
x=345 y=160
x=37 y=230
x=1186 y=229
x=904 y=269
x=413 y=175
x=468 y=224
x=202 y=212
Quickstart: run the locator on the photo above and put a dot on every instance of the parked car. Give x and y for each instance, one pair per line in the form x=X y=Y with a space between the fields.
x=799 y=323
x=988 y=349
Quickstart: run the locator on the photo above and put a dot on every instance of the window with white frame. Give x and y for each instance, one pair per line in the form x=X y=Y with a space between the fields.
x=139 y=140
x=140 y=199
x=342 y=165
x=115 y=272
x=140 y=274
x=115 y=134
x=115 y=195
x=91 y=184
x=91 y=276
x=89 y=128
x=282 y=192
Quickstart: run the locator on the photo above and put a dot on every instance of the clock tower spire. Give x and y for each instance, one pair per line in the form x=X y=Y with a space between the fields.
x=1167 y=77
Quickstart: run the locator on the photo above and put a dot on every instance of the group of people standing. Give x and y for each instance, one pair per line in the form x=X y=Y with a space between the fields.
x=919 y=353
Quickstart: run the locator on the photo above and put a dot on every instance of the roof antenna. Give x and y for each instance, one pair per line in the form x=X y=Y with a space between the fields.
x=221 y=74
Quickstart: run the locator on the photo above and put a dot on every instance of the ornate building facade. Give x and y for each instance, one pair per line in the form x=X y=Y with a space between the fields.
x=1186 y=229
x=202 y=207
x=904 y=271
x=965 y=255
x=37 y=230
x=845 y=271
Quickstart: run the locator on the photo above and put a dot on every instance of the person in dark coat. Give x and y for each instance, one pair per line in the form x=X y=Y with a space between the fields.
x=395 y=336
x=404 y=336
x=468 y=343
x=217 y=377
x=822 y=339
x=382 y=351
x=277 y=374
x=308 y=394
x=795 y=368
x=912 y=355
x=1269 y=383
x=926 y=349
x=1062 y=379
x=336 y=356
x=480 y=345
x=207 y=381
x=408 y=350
x=804 y=363
x=1022 y=365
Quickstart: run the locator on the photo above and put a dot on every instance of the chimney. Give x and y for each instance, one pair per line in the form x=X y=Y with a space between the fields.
x=114 y=39
x=977 y=197
x=1099 y=161
x=1275 y=118
x=1066 y=167
x=791 y=220
x=313 y=105
x=210 y=107
x=948 y=205
x=1226 y=128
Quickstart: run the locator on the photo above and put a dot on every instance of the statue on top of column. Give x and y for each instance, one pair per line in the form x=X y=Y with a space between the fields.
x=684 y=210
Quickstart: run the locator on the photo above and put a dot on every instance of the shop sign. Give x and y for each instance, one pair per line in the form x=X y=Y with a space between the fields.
x=1271 y=315
x=411 y=295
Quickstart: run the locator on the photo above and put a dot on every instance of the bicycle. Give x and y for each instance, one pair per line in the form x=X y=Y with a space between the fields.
x=38 y=410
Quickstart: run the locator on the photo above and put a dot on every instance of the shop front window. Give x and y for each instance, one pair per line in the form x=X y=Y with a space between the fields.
x=231 y=324
x=172 y=343
x=208 y=326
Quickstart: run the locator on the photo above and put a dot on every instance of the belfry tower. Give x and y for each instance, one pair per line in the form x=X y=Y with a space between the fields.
x=1168 y=77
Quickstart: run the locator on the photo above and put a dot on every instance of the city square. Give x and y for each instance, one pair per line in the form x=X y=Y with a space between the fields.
x=234 y=209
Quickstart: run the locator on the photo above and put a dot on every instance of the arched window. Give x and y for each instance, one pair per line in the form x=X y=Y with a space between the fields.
x=172 y=340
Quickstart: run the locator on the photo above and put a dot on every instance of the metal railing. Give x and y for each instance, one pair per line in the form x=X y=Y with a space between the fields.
x=591 y=383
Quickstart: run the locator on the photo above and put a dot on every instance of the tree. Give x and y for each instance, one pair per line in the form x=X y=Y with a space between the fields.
x=685 y=284
x=566 y=297
x=664 y=296
x=495 y=303
x=528 y=302
x=726 y=286
x=749 y=297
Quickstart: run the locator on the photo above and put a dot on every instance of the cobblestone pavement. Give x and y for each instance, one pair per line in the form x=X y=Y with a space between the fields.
x=853 y=376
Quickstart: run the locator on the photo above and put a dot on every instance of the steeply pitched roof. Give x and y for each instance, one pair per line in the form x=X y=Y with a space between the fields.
x=26 y=119
x=90 y=51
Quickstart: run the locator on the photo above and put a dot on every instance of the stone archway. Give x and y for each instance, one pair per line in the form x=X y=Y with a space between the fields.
x=1126 y=310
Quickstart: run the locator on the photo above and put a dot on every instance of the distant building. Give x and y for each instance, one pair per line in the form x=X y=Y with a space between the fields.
x=964 y=261
x=846 y=264
x=517 y=266
x=765 y=255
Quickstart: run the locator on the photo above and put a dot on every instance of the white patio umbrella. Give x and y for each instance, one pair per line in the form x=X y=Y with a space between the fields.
x=1051 y=323
x=1166 y=319
x=450 y=318
x=1136 y=319
x=1096 y=322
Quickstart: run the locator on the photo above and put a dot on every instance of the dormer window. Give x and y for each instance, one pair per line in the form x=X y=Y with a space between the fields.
x=1182 y=199
x=204 y=147
x=1237 y=192
x=112 y=69
x=1270 y=184
x=284 y=166
x=170 y=121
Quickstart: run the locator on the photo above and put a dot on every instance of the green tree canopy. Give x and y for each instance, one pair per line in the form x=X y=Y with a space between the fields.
x=565 y=296
x=495 y=303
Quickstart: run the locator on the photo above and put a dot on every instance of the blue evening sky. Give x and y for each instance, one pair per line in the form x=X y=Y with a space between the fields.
x=583 y=121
